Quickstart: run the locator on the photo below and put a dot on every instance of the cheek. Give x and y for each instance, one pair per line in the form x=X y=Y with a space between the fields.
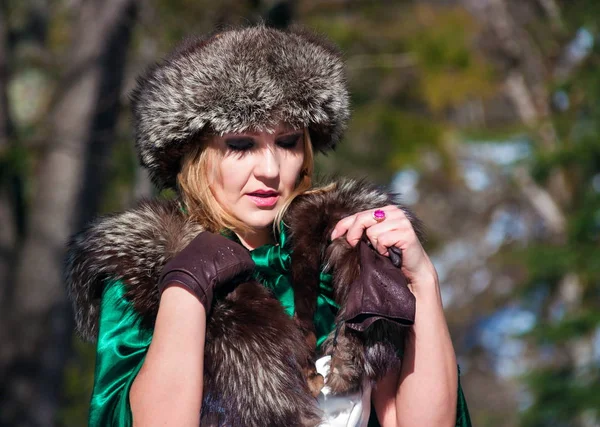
x=291 y=170
x=233 y=175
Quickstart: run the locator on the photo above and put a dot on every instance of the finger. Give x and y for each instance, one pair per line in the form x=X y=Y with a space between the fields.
x=389 y=239
x=363 y=221
x=342 y=226
x=357 y=228
x=379 y=229
x=386 y=245
x=366 y=221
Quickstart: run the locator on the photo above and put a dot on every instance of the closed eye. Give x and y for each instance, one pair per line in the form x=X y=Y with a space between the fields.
x=289 y=141
x=239 y=144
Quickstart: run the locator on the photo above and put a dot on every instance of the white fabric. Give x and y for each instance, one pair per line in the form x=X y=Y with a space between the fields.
x=350 y=410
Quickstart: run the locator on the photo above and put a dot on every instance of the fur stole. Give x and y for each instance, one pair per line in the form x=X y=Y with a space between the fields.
x=247 y=382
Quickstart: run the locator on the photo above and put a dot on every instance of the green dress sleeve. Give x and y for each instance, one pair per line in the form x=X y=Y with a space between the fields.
x=121 y=349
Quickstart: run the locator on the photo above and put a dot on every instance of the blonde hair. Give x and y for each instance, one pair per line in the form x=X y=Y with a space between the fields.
x=199 y=165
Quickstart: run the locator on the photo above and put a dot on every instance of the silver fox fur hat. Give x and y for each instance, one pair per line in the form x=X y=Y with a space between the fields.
x=238 y=80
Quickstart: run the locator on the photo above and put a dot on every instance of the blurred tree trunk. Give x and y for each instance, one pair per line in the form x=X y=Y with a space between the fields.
x=8 y=229
x=5 y=122
x=69 y=187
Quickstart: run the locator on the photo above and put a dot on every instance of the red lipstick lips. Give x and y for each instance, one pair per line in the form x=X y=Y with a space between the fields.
x=264 y=198
x=264 y=193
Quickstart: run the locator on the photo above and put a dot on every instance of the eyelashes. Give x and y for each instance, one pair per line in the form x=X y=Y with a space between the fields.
x=244 y=144
x=239 y=144
x=289 y=141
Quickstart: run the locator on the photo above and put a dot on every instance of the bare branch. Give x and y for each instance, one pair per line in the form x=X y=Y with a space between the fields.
x=552 y=11
x=542 y=201
x=518 y=92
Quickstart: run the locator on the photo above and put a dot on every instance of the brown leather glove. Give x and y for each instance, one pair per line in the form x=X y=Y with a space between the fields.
x=380 y=293
x=210 y=260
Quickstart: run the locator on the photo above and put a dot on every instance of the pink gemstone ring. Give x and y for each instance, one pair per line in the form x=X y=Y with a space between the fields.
x=378 y=215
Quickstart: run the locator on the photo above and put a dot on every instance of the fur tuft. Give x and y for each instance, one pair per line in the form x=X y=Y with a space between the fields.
x=132 y=246
x=247 y=382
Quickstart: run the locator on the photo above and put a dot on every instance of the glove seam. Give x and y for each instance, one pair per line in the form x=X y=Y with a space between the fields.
x=179 y=270
x=192 y=290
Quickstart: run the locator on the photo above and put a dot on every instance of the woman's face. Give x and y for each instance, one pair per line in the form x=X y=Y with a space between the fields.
x=257 y=172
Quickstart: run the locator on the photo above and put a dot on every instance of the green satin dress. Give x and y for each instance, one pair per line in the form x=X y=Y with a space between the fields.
x=123 y=342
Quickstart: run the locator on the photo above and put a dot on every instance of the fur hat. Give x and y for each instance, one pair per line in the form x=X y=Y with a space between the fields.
x=238 y=80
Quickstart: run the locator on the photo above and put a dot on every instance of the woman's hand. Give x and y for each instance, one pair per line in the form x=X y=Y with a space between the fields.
x=208 y=261
x=395 y=230
x=424 y=390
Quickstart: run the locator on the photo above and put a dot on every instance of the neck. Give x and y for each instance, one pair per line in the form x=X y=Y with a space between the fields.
x=255 y=238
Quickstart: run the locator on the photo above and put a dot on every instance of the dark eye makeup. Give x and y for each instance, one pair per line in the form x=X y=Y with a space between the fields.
x=241 y=144
x=289 y=141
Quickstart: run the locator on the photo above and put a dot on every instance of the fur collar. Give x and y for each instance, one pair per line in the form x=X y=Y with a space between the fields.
x=134 y=245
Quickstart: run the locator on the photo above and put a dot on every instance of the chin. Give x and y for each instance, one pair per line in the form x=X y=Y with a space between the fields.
x=260 y=220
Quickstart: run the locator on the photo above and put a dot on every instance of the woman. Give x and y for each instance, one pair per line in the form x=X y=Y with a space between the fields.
x=168 y=289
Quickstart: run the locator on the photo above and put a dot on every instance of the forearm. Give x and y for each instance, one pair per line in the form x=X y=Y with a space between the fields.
x=423 y=390
x=168 y=388
x=427 y=388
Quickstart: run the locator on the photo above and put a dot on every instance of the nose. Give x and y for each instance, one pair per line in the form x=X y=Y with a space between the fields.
x=268 y=164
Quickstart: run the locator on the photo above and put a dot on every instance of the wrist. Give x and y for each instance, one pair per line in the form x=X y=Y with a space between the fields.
x=426 y=285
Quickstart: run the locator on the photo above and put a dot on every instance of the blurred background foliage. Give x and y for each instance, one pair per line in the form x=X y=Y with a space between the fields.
x=483 y=114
